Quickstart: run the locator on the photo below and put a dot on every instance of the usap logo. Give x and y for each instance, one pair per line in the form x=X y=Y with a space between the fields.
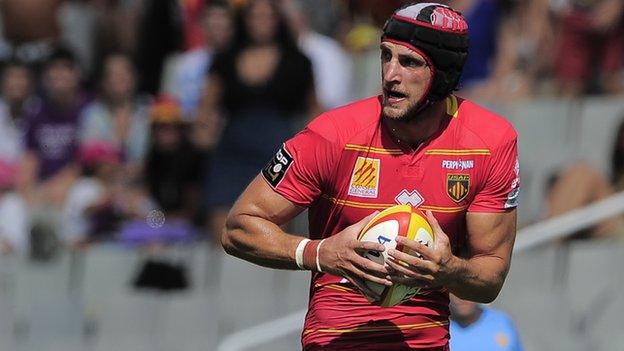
x=275 y=170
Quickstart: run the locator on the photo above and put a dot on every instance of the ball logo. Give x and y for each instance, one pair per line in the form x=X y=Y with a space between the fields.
x=384 y=233
x=384 y=228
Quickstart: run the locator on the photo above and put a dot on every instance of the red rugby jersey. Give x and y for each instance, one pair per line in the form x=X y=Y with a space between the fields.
x=345 y=164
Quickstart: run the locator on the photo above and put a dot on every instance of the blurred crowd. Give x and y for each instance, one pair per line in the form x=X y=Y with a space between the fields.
x=142 y=120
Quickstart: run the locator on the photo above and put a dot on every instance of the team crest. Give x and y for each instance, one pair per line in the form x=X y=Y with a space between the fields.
x=365 y=178
x=457 y=186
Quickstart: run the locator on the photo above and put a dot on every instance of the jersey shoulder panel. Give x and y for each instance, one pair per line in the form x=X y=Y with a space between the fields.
x=492 y=129
x=341 y=124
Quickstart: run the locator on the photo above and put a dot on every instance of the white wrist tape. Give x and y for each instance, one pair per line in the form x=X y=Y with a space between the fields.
x=299 y=253
x=318 y=264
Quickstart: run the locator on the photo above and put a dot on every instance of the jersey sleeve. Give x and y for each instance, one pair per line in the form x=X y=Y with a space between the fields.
x=502 y=184
x=301 y=168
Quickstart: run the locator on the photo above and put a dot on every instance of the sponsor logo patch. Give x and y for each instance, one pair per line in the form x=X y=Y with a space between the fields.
x=409 y=198
x=457 y=164
x=457 y=186
x=512 y=197
x=275 y=170
x=365 y=178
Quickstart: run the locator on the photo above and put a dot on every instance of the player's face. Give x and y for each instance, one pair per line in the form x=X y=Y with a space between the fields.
x=405 y=77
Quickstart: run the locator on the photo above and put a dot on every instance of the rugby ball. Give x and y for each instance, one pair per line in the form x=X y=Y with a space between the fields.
x=384 y=228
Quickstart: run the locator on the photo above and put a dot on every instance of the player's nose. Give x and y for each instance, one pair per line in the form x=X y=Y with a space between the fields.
x=391 y=72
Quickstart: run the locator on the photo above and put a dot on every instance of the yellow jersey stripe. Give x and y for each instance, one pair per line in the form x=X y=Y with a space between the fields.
x=356 y=204
x=442 y=209
x=459 y=152
x=373 y=150
x=337 y=287
x=365 y=329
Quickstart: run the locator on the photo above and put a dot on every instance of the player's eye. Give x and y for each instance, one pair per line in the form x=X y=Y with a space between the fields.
x=386 y=55
x=411 y=62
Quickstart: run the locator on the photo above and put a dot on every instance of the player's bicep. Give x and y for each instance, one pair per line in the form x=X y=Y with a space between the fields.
x=260 y=201
x=491 y=234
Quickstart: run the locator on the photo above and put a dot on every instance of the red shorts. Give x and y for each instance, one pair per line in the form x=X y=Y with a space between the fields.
x=340 y=318
x=583 y=52
x=371 y=347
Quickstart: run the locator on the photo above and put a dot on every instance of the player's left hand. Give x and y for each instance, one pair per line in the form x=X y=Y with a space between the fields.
x=435 y=267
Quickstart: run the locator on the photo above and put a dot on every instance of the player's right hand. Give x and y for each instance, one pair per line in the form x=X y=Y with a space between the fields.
x=341 y=255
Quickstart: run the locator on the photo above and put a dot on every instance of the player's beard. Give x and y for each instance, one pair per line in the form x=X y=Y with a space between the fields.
x=412 y=112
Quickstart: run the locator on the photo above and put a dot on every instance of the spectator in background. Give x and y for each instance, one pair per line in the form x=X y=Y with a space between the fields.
x=119 y=115
x=13 y=211
x=590 y=45
x=513 y=54
x=115 y=28
x=362 y=41
x=483 y=18
x=15 y=95
x=186 y=74
x=49 y=165
x=331 y=64
x=16 y=86
x=477 y=327
x=261 y=86
x=160 y=33
x=16 y=89
x=174 y=171
x=30 y=28
x=524 y=55
x=91 y=211
x=579 y=185
x=192 y=12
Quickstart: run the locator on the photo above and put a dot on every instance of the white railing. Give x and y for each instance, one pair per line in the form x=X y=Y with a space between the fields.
x=527 y=238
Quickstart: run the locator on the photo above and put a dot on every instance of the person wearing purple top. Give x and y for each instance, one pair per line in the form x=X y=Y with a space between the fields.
x=51 y=129
x=49 y=167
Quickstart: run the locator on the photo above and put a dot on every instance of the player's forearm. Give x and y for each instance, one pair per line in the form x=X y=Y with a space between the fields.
x=260 y=241
x=478 y=279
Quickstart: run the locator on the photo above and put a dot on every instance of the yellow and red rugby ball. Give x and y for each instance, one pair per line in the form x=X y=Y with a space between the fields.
x=399 y=220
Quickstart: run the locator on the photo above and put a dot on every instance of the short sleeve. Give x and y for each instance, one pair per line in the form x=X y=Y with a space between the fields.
x=502 y=184
x=301 y=168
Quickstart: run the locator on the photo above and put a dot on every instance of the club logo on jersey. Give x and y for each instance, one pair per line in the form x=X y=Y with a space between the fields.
x=457 y=186
x=275 y=170
x=457 y=164
x=409 y=198
x=365 y=177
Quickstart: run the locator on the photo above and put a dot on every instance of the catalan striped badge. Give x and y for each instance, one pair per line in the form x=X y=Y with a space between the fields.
x=365 y=178
x=457 y=186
